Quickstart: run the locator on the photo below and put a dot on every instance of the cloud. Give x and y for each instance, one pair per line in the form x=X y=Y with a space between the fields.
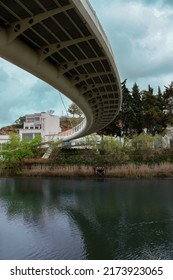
x=3 y=80
x=21 y=93
x=140 y=33
x=158 y=2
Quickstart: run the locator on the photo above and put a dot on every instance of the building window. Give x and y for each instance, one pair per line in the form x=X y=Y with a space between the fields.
x=27 y=136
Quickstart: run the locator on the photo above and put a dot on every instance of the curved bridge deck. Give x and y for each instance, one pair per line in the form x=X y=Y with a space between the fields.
x=63 y=43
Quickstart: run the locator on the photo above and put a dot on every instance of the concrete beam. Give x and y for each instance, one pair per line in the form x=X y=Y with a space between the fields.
x=66 y=67
x=20 y=26
x=84 y=77
x=53 y=48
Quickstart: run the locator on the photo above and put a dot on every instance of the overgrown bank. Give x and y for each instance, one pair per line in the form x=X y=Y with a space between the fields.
x=118 y=171
x=140 y=156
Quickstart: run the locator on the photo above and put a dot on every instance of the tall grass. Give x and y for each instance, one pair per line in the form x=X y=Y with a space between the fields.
x=119 y=171
x=131 y=171
x=142 y=171
x=58 y=170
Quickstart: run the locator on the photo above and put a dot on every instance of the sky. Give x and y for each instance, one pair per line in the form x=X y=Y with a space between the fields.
x=141 y=37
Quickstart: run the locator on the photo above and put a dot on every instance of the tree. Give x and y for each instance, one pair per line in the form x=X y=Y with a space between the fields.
x=168 y=103
x=20 y=121
x=137 y=109
x=74 y=110
x=16 y=150
x=161 y=119
x=114 y=128
x=51 y=112
x=126 y=113
x=154 y=119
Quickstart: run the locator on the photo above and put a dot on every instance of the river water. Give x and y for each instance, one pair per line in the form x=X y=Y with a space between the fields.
x=53 y=218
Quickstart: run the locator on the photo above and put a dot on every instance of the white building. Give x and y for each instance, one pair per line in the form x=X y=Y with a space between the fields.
x=43 y=124
x=3 y=140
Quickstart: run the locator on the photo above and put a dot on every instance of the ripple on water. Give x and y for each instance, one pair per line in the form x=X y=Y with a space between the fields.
x=73 y=221
x=56 y=238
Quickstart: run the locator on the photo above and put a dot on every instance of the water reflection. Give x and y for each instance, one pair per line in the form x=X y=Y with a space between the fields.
x=51 y=218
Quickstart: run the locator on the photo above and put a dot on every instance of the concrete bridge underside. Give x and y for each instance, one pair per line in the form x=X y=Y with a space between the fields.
x=62 y=43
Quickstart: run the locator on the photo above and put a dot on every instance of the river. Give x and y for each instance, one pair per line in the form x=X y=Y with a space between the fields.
x=59 y=218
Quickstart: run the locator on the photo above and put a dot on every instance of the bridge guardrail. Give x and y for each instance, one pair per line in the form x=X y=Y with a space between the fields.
x=73 y=131
x=94 y=17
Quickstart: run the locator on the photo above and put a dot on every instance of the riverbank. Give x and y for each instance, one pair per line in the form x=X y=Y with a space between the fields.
x=117 y=171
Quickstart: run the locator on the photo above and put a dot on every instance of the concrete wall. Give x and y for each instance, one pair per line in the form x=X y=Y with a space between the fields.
x=51 y=124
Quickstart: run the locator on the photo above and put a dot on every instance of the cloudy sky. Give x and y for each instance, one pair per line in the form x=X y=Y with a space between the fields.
x=141 y=36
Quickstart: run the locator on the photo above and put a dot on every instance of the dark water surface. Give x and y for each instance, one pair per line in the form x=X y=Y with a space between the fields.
x=52 y=218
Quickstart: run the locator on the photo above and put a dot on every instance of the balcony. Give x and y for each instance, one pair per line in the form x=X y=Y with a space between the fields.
x=32 y=125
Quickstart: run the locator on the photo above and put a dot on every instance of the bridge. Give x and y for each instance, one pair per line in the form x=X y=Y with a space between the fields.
x=63 y=43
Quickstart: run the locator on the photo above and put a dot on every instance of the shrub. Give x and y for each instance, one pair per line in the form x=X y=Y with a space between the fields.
x=16 y=150
x=115 y=150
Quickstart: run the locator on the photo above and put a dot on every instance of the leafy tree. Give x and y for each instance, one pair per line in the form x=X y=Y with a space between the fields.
x=112 y=129
x=142 y=109
x=124 y=123
x=153 y=107
x=168 y=103
x=161 y=117
x=112 y=148
x=126 y=113
x=160 y=100
x=137 y=116
x=74 y=110
x=149 y=103
x=16 y=150
x=20 y=121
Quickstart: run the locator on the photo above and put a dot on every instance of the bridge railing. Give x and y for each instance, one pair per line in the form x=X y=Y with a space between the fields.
x=73 y=132
x=63 y=136
x=68 y=134
x=94 y=17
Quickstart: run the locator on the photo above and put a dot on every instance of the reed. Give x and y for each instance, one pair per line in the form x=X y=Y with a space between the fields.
x=163 y=170
x=120 y=171
x=130 y=171
x=58 y=170
x=142 y=171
